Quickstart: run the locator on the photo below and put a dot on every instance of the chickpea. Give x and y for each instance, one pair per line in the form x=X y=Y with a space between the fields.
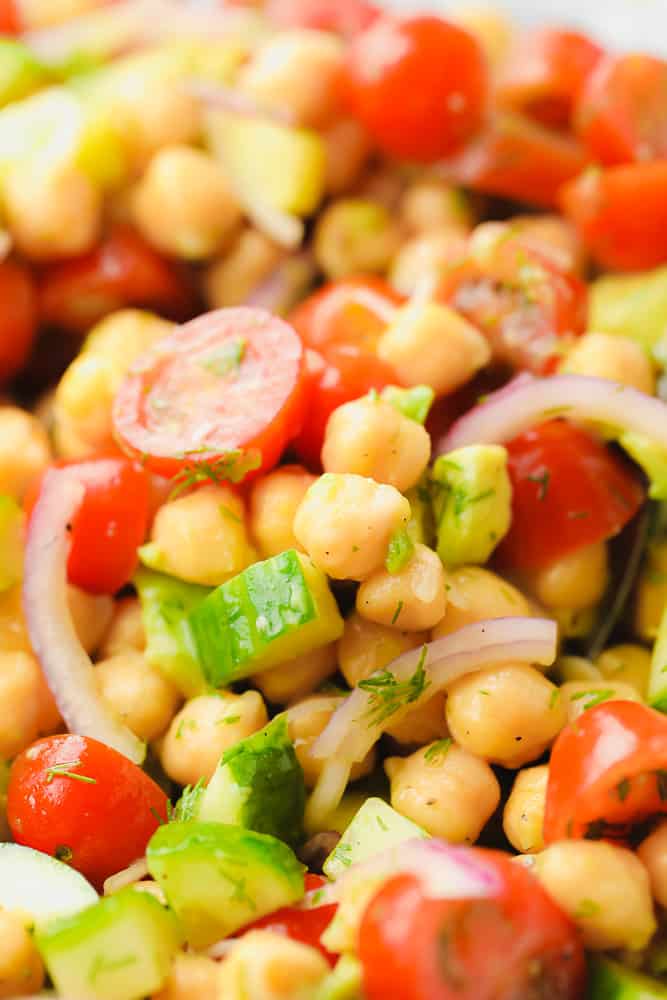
x=430 y=344
x=579 y=696
x=627 y=663
x=91 y=616
x=201 y=537
x=424 y=724
x=21 y=968
x=204 y=728
x=355 y=236
x=445 y=790
x=263 y=965
x=473 y=594
x=138 y=693
x=347 y=149
x=13 y=631
x=576 y=668
x=414 y=598
x=617 y=358
x=523 y=817
x=423 y=260
x=24 y=450
x=604 y=889
x=492 y=29
x=27 y=708
x=298 y=677
x=575 y=582
x=230 y=280
x=273 y=503
x=192 y=977
x=652 y=852
x=369 y=437
x=306 y=720
x=344 y=523
x=554 y=236
x=429 y=205
x=53 y=211
x=508 y=715
x=195 y=226
x=126 y=630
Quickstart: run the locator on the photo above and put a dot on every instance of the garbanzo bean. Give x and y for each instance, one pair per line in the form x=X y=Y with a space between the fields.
x=369 y=437
x=230 y=280
x=91 y=614
x=192 y=977
x=355 y=236
x=138 y=693
x=422 y=261
x=508 y=715
x=266 y=966
x=579 y=696
x=445 y=790
x=27 y=708
x=627 y=663
x=429 y=206
x=298 y=677
x=24 y=450
x=414 y=598
x=617 y=358
x=473 y=594
x=273 y=503
x=523 y=817
x=652 y=852
x=21 y=968
x=306 y=720
x=126 y=631
x=575 y=582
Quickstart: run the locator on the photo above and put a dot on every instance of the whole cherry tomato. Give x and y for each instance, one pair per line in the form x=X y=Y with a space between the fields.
x=10 y=23
x=299 y=924
x=18 y=319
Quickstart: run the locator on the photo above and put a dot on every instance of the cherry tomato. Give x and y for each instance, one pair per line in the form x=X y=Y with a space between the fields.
x=419 y=86
x=122 y=271
x=568 y=490
x=622 y=115
x=347 y=373
x=18 y=319
x=110 y=524
x=230 y=380
x=80 y=801
x=518 y=945
x=343 y=17
x=305 y=925
x=608 y=772
x=352 y=312
x=518 y=158
x=621 y=214
x=10 y=23
x=546 y=73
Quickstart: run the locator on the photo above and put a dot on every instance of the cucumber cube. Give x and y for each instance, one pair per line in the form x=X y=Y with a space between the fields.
x=21 y=73
x=375 y=828
x=38 y=884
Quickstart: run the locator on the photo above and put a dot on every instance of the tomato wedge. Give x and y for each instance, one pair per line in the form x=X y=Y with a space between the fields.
x=352 y=312
x=608 y=772
x=10 y=23
x=18 y=320
x=224 y=392
x=299 y=924
x=568 y=491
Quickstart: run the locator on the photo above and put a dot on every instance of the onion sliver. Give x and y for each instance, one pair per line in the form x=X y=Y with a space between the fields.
x=235 y=102
x=133 y=873
x=527 y=400
x=66 y=665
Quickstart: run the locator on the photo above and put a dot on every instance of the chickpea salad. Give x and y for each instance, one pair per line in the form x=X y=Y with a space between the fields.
x=333 y=505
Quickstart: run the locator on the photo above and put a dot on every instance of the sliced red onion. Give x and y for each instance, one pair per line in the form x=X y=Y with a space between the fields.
x=527 y=400
x=66 y=665
x=133 y=873
x=220 y=98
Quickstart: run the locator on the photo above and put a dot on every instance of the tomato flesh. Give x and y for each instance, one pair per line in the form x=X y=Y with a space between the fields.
x=18 y=319
x=352 y=312
x=78 y=800
x=304 y=925
x=10 y=23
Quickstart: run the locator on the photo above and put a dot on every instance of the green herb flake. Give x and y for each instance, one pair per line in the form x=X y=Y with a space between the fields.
x=64 y=770
x=226 y=360
x=381 y=823
x=436 y=753
x=587 y=908
x=399 y=551
x=229 y=720
x=342 y=854
x=229 y=468
x=399 y=608
x=594 y=697
x=542 y=481
x=102 y=965
x=387 y=695
x=554 y=698
x=555 y=411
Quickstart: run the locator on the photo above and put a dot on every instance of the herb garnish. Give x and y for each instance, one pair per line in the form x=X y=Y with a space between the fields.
x=64 y=770
x=387 y=695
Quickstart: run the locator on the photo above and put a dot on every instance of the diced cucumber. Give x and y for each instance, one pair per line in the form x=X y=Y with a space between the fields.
x=258 y=784
x=420 y=526
x=657 y=685
x=11 y=542
x=630 y=305
x=21 y=73
x=218 y=878
x=40 y=885
x=170 y=646
x=343 y=982
x=119 y=949
x=375 y=828
x=270 y=613
x=187 y=806
x=609 y=980
x=651 y=457
x=413 y=403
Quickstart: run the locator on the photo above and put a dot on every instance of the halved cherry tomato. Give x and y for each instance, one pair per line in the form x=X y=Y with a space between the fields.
x=10 y=23
x=345 y=374
x=18 y=318
x=420 y=86
x=305 y=925
x=110 y=524
x=343 y=17
x=622 y=115
x=229 y=381
x=608 y=773
x=122 y=271
x=546 y=73
x=516 y=946
x=518 y=158
x=568 y=490
x=352 y=312
x=84 y=803
x=621 y=214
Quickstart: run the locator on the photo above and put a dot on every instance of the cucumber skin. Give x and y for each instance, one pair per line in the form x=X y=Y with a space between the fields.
x=609 y=980
x=657 y=685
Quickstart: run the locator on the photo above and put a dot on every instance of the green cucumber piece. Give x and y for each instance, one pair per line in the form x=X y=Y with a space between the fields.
x=413 y=403
x=259 y=785
x=272 y=612
x=630 y=305
x=375 y=828
x=609 y=980
x=420 y=526
x=21 y=72
x=344 y=982
x=119 y=949
x=218 y=878
x=41 y=885
x=651 y=457
x=170 y=646
x=11 y=542
x=657 y=684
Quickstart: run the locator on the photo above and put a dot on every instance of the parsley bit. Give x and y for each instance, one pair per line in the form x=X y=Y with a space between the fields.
x=387 y=695
x=399 y=608
x=594 y=697
x=542 y=481
x=229 y=468
x=64 y=770
x=436 y=753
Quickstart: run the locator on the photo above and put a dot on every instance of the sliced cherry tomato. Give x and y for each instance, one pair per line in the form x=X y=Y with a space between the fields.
x=229 y=381
x=347 y=373
x=568 y=490
x=518 y=945
x=18 y=319
x=546 y=74
x=122 y=271
x=352 y=312
x=608 y=773
x=621 y=214
x=343 y=17
x=420 y=86
x=10 y=23
x=622 y=115
x=110 y=524
x=305 y=925
x=519 y=159
x=84 y=803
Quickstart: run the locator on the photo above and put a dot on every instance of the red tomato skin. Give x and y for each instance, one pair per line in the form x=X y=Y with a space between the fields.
x=343 y=17
x=622 y=114
x=306 y=926
x=620 y=214
x=353 y=312
x=606 y=772
x=10 y=23
x=568 y=491
x=105 y=823
x=122 y=271
x=419 y=86
x=517 y=946
x=18 y=320
x=110 y=525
